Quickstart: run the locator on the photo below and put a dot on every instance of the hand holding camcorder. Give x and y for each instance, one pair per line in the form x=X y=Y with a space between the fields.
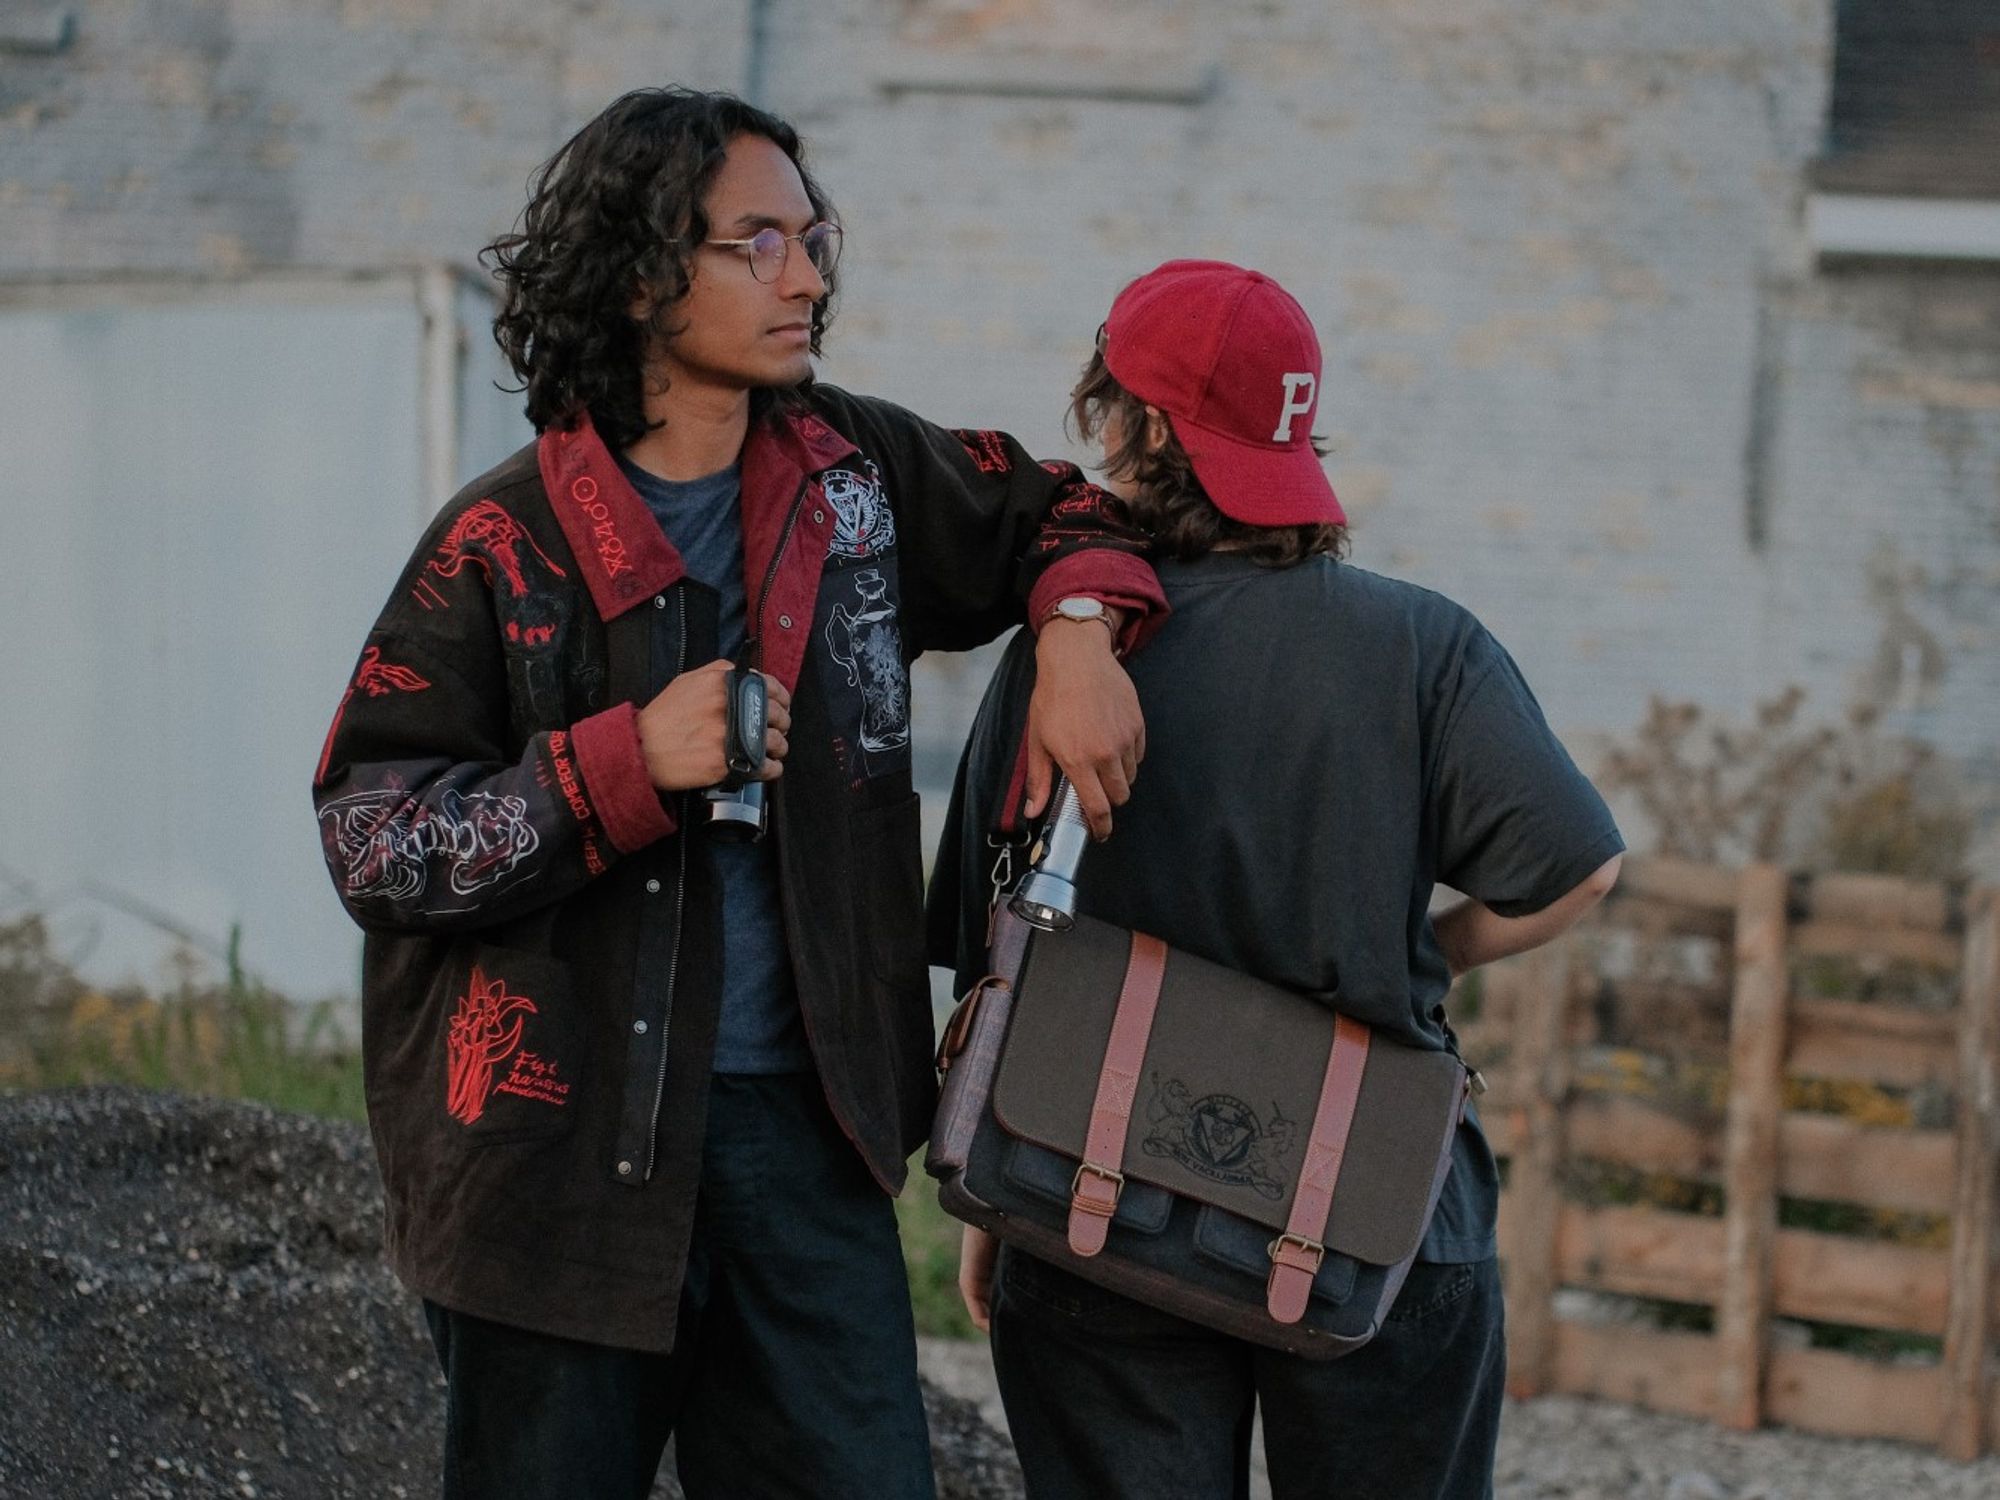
x=678 y=733
x=736 y=803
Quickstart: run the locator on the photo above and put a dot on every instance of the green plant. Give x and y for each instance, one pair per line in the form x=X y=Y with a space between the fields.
x=930 y=1251
x=236 y=1038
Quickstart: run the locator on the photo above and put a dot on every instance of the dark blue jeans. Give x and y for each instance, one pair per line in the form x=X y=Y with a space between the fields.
x=795 y=1372
x=1108 y=1398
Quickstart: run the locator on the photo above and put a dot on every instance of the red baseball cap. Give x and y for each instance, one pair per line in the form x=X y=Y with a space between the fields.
x=1232 y=359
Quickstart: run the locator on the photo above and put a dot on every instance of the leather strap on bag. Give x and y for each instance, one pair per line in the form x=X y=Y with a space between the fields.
x=1094 y=1192
x=1296 y=1254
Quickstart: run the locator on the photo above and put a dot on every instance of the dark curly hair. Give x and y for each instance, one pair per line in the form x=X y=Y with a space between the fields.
x=1169 y=504
x=620 y=205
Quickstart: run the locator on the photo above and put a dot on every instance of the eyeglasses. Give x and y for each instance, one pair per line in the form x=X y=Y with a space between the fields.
x=768 y=248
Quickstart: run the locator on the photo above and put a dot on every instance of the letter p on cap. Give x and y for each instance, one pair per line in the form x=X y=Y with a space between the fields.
x=1299 y=387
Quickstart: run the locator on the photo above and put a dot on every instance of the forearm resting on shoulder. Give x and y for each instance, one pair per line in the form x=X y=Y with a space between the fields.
x=1472 y=933
x=1083 y=718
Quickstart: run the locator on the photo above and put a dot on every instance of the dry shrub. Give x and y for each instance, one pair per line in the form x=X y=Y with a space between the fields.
x=1812 y=796
x=222 y=1034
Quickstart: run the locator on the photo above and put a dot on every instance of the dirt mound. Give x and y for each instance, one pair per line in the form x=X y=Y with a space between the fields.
x=193 y=1303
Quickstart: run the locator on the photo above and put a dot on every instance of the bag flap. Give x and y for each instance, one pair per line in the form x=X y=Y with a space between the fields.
x=1227 y=1092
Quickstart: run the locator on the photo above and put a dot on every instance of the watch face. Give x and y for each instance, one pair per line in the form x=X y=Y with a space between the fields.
x=1080 y=609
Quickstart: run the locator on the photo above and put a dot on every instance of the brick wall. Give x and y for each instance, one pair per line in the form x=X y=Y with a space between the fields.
x=1583 y=373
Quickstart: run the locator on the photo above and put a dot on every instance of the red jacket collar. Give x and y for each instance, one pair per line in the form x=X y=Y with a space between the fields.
x=783 y=553
x=624 y=555
x=801 y=440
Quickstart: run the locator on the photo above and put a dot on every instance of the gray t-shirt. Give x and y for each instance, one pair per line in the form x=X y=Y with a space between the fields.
x=1324 y=745
x=760 y=1030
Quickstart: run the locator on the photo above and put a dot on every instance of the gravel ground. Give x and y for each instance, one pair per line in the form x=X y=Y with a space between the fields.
x=1564 y=1448
x=192 y=1304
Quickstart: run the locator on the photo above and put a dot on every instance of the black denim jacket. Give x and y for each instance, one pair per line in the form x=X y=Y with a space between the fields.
x=542 y=972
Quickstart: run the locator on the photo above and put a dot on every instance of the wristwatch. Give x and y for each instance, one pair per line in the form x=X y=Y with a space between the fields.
x=1080 y=607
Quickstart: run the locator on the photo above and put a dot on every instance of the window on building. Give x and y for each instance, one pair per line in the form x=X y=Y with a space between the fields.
x=1912 y=160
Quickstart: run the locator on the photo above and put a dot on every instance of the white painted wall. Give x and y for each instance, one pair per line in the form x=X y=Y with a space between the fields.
x=207 y=496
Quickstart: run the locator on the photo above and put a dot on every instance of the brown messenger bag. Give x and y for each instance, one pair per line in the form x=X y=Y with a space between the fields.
x=1196 y=1139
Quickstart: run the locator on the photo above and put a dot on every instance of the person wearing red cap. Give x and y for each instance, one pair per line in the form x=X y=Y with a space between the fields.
x=1325 y=745
x=1229 y=368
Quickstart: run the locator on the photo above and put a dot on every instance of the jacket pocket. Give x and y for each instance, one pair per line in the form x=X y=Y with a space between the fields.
x=501 y=1062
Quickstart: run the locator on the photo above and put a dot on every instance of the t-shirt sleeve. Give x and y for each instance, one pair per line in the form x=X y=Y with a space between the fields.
x=1518 y=825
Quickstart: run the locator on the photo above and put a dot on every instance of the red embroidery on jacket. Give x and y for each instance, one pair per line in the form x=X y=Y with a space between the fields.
x=567 y=779
x=989 y=454
x=538 y=1078
x=1084 y=502
x=611 y=549
x=487 y=536
x=377 y=678
x=813 y=430
x=530 y=635
x=479 y=1041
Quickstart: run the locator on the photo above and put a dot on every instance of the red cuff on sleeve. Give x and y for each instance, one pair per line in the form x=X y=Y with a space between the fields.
x=1122 y=580
x=614 y=775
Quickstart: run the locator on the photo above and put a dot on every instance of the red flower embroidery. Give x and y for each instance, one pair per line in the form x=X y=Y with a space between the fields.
x=480 y=1041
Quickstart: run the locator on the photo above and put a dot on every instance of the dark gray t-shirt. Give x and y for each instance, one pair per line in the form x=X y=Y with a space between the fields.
x=1324 y=745
x=760 y=1030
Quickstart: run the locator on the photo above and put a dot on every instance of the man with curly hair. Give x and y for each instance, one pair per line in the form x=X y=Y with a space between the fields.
x=641 y=1091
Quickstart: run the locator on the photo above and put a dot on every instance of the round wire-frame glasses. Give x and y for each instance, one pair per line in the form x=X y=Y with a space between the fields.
x=767 y=248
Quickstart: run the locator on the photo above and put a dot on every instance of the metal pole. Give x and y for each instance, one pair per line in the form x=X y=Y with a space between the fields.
x=760 y=41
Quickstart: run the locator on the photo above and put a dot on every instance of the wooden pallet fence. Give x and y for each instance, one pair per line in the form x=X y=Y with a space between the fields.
x=1743 y=938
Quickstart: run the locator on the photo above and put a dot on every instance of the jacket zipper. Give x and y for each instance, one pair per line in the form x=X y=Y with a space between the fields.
x=680 y=904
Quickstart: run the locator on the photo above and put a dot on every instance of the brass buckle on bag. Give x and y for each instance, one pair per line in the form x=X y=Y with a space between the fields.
x=1077 y=1201
x=1312 y=1252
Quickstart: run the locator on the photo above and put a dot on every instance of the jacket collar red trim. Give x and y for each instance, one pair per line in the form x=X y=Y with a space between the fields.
x=781 y=567
x=798 y=439
x=624 y=555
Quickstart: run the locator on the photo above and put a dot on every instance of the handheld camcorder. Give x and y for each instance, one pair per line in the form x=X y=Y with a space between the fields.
x=736 y=803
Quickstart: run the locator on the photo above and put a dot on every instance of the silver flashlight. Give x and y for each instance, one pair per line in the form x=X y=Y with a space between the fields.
x=1047 y=897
